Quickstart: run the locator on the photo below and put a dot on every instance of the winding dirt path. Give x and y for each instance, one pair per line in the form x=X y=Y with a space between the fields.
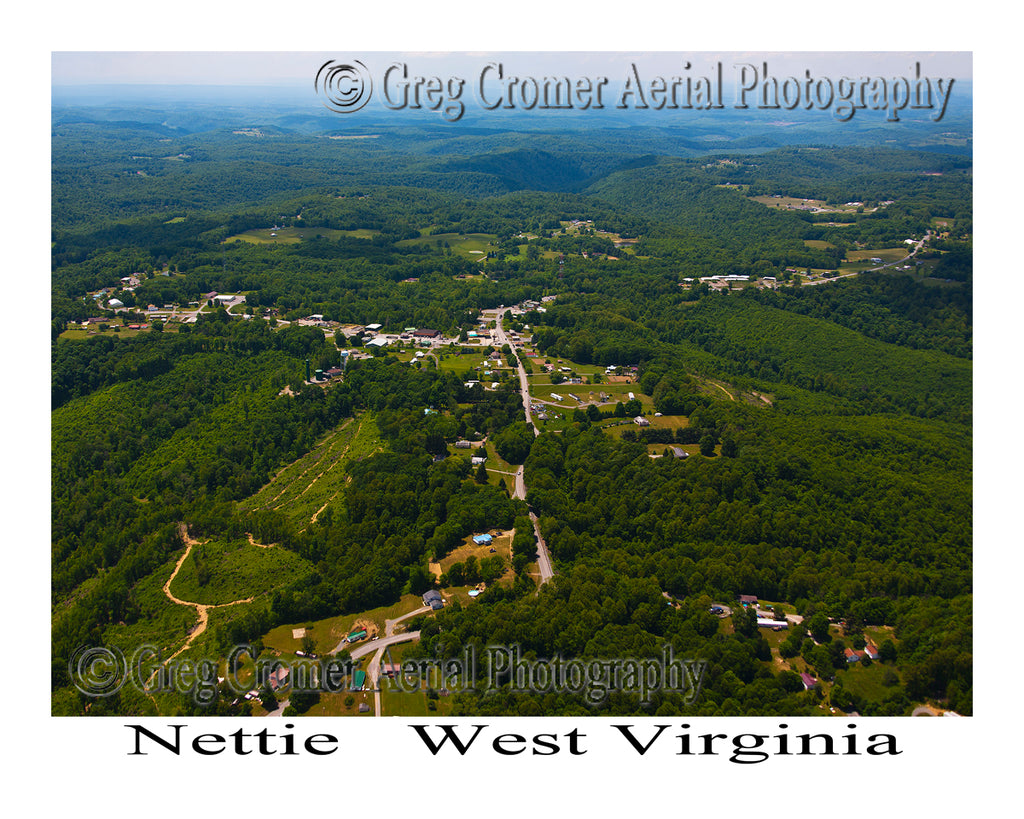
x=202 y=609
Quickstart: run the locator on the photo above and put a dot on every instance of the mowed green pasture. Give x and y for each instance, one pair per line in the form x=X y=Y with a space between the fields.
x=292 y=235
x=218 y=572
x=461 y=363
x=470 y=245
x=795 y=203
x=886 y=254
x=304 y=488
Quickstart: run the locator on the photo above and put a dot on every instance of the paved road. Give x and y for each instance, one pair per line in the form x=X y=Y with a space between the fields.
x=524 y=385
x=377 y=647
x=910 y=255
x=543 y=556
x=368 y=646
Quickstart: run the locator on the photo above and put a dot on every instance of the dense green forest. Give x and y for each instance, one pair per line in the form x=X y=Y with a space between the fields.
x=834 y=469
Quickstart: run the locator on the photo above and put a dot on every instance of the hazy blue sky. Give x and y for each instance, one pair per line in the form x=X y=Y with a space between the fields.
x=286 y=68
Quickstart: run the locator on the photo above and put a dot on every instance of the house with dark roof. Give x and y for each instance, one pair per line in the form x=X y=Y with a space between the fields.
x=433 y=599
x=748 y=599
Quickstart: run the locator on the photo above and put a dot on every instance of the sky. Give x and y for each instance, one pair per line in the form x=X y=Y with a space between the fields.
x=287 y=68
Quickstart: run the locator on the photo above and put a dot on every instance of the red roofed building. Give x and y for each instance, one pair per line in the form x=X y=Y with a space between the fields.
x=808 y=681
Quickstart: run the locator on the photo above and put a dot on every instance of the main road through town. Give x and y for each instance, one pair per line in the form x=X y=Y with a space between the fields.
x=543 y=557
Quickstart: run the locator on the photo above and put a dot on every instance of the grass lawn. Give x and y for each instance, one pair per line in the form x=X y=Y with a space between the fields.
x=334 y=705
x=879 y=634
x=330 y=632
x=460 y=362
x=775 y=639
x=496 y=462
x=407 y=696
x=501 y=543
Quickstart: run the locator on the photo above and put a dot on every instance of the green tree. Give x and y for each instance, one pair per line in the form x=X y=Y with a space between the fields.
x=818 y=626
x=267 y=698
x=887 y=651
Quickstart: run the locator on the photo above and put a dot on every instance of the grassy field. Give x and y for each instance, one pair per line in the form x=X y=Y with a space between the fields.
x=330 y=632
x=866 y=681
x=292 y=235
x=862 y=258
x=235 y=570
x=79 y=333
x=460 y=362
x=304 y=488
x=795 y=203
x=470 y=245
